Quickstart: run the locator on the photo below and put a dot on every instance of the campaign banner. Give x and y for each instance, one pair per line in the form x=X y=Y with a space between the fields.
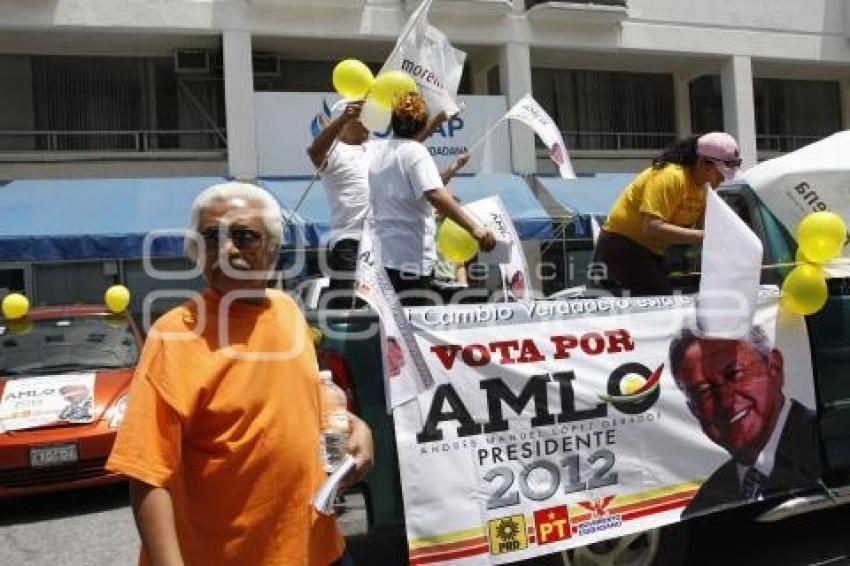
x=31 y=402
x=557 y=424
x=287 y=122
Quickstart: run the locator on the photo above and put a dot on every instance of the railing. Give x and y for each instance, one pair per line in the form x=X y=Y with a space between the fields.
x=530 y=3
x=138 y=141
x=617 y=141
x=788 y=142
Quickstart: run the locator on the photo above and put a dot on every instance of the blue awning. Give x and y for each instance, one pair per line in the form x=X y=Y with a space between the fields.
x=586 y=196
x=529 y=217
x=73 y=219
x=78 y=219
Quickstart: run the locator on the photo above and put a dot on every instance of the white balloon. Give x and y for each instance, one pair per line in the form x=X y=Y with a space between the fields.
x=374 y=117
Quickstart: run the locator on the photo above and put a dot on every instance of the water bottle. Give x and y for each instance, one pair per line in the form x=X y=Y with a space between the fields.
x=335 y=425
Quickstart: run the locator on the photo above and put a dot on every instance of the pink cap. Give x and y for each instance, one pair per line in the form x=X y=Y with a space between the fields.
x=718 y=145
x=721 y=148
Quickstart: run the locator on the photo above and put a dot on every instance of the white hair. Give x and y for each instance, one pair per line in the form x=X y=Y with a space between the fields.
x=269 y=210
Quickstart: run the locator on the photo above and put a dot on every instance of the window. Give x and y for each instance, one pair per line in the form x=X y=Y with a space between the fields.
x=133 y=104
x=530 y=3
x=71 y=283
x=706 y=104
x=604 y=110
x=13 y=279
x=789 y=113
x=315 y=76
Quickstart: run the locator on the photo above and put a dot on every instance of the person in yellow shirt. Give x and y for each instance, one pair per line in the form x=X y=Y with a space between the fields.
x=664 y=205
x=221 y=435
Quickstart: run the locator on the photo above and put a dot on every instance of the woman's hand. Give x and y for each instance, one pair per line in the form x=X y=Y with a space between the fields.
x=485 y=237
x=352 y=110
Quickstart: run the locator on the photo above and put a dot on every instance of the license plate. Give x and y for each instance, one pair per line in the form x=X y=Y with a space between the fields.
x=54 y=455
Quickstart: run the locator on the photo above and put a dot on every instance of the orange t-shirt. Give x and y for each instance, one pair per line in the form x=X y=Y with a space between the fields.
x=224 y=413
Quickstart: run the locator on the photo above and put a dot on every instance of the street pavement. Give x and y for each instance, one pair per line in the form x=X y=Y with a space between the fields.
x=91 y=527
x=95 y=527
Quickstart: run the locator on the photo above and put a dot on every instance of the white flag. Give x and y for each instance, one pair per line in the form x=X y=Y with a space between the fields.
x=530 y=113
x=406 y=373
x=731 y=269
x=508 y=253
x=424 y=53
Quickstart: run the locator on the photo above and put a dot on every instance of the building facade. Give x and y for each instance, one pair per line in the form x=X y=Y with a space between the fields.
x=95 y=88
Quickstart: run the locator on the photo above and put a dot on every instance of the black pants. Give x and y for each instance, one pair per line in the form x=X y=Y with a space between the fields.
x=413 y=290
x=342 y=260
x=630 y=267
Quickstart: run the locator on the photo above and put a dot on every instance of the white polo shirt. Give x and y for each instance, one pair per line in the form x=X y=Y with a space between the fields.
x=346 y=181
x=400 y=174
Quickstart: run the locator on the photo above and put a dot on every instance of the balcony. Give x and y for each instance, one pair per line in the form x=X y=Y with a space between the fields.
x=617 y=141
x=772 y=144
x=58 y=145
x=476 y=7
x=577 y=11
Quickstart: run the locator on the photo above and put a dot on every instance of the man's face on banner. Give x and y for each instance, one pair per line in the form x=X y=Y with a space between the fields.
x=734 y=392
x=395 y=357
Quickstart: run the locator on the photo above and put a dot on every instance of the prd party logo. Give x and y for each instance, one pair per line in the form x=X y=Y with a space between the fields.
x=633 y=388
x=507 y=534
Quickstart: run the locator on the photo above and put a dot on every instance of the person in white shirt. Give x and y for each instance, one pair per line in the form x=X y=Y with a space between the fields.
x=343 y=167
x=406 y=186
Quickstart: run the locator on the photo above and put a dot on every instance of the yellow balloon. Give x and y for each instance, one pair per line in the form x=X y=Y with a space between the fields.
x=116 y=320
x=804 y=291
x=20 y=326
x=821 y=236
x=391 y=86
x=15 y=306
x=117 y=298
x=456 y=244
x=352 y=79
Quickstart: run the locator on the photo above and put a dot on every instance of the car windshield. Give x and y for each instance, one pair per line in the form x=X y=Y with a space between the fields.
x=66 y=344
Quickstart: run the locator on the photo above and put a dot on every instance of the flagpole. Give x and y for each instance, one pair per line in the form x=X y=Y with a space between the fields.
x=412 y=21
x=304 y=194
x=484 y=136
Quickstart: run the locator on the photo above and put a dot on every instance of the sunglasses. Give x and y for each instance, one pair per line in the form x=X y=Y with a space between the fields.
x=242 y=238
x=731 y=163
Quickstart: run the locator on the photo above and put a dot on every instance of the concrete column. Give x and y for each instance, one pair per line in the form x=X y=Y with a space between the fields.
x=515 y=77
x=479 y=70
x=739 y=115
x=239 y=105
x=845 y=99
x=681 y=86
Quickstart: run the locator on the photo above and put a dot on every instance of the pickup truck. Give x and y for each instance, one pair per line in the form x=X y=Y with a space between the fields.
x=356 y=365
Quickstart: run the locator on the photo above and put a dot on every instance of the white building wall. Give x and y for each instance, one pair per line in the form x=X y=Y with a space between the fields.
x=683 y=37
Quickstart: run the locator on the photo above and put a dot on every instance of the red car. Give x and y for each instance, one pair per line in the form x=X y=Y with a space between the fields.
x=64 y=377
